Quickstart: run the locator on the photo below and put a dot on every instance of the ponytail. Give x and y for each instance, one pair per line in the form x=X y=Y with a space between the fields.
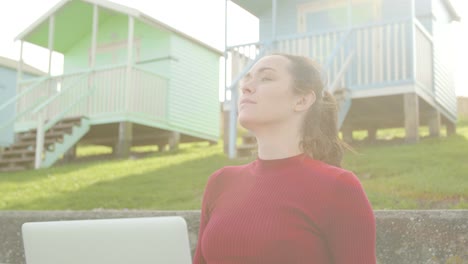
x=320 y=131
x=320 y=127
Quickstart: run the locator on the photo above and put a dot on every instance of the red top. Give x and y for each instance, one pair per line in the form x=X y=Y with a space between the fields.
x=292 y=210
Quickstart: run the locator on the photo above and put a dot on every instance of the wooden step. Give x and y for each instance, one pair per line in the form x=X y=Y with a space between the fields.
x=48 y=135
x=22 y=152
x=17 y=160
x=70 y=120
x=25 y=144
x=21 y=155
x=13 y=168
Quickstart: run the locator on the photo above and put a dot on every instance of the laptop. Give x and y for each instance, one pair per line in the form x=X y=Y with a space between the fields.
x=108 y=241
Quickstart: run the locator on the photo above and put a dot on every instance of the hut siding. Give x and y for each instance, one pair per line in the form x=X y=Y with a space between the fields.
x=443 y=59
x=112 y=51
x=193 y=94
x=8 y=90
x=153 y=43
x=425 y=10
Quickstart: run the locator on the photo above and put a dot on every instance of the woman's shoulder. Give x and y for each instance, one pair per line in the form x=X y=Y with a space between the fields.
x=226 y=173
x=332 y=174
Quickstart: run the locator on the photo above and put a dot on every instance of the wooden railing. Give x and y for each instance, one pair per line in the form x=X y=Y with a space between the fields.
x=424 y=58
x=147 y=94
x=382 y=53
x=110 y=95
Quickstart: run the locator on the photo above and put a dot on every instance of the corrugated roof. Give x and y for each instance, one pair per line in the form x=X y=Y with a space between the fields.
x=12 y=64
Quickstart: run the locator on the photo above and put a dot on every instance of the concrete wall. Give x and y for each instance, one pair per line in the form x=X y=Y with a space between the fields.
x=403 y=237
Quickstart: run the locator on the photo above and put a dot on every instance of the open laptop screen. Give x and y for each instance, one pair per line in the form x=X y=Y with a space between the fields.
x=108 y=241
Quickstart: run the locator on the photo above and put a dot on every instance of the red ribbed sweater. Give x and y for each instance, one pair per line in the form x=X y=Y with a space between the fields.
x=291 y=210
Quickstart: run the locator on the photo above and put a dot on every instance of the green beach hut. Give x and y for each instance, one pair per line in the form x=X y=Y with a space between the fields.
x=128 y=80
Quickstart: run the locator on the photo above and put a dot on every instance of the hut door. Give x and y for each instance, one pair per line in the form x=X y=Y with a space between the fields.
x=115 y=52
x=323 y=15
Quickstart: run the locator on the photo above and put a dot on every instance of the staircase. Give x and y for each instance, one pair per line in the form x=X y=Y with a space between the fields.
x=57 y=140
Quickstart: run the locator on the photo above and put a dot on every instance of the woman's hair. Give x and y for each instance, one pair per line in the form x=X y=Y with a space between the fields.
x=320 y=127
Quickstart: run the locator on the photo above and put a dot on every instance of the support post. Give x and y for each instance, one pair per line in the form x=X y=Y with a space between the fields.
x=451 y=128
x=273 y=19
x=19 y=73
x=174 y=140
x=225 y=112
x=125 y=139
x=39 y=142
x=411 y=111
x=350 y=14
x=347 y=132
x=51 y=42
x=372 y=134
x=434 y=123
x=131 y=27
x=233 y=124
x=413 y=41
x=94 y=36
x=226 y=122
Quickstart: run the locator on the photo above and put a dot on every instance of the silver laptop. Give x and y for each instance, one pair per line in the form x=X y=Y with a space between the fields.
x=108 y=241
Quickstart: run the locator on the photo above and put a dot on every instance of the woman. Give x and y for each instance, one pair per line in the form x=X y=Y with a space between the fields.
x=293 y=204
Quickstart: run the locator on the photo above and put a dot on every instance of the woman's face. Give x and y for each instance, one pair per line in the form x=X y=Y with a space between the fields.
x=267 y=96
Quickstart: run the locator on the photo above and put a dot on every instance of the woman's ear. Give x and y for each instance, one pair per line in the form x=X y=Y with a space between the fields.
x=304 y=102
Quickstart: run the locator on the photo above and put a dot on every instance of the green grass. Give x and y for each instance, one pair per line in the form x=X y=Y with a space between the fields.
x=430 y=174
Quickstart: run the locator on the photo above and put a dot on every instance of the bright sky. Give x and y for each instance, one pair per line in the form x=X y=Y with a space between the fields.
x=202 y=19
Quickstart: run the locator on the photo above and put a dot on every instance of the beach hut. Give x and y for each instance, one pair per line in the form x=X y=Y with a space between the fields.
x=8 y=76
x=128 y=80
x=388 y=62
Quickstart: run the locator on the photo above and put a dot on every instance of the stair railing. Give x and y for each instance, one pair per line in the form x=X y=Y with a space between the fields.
x=17 y=97
x=43 y=127
x=333 y=85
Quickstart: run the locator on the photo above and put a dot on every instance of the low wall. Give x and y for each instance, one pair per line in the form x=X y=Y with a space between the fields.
x=403 y=237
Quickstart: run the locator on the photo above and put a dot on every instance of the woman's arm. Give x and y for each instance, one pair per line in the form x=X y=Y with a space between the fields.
x=208 y=196
x=351 y=231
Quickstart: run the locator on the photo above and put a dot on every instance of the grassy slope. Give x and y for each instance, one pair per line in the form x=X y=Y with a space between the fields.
x=431 y=174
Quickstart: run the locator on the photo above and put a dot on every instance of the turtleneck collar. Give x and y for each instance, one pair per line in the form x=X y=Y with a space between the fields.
x=275 y=164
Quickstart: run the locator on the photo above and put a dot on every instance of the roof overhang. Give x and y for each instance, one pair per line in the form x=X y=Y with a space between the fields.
x=26 y=68
x=256 y=8
x=73 y=21
x=260 y=6
x=453 y=13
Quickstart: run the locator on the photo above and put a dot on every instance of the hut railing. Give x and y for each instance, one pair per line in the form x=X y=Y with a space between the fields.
x=382 y=53
x=147 y=94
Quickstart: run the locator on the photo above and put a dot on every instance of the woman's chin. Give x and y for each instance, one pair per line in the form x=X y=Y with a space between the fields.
x=246 y=122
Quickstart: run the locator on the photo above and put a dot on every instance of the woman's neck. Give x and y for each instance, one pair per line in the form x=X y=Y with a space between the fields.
x=278 y=142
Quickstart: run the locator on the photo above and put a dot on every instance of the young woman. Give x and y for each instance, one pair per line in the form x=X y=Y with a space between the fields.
x=293 y=204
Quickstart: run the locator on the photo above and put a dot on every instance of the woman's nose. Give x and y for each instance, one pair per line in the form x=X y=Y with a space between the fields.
x=247 y=87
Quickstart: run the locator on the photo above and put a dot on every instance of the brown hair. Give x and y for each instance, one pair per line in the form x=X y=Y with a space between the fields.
x=320 y=128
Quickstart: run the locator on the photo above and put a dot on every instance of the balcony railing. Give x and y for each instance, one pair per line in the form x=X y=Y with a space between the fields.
x=383 y=53
x=146 y=94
